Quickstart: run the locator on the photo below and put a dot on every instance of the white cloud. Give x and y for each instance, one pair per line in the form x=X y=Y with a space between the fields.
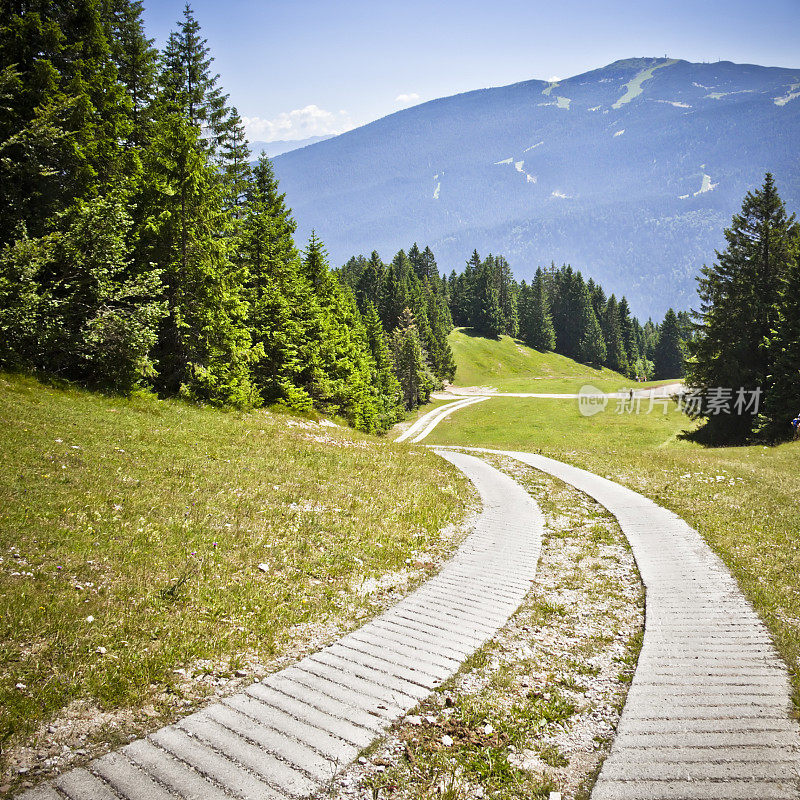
x=554 y=79
x=298 y=124
x=407 y=99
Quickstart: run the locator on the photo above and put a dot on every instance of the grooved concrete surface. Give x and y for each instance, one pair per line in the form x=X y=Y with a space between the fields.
x=708 y=713
x=288 y=735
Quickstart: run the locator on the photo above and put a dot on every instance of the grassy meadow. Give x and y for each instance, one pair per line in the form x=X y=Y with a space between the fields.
x=142 y=537
x=510 y=366
x=743 y=500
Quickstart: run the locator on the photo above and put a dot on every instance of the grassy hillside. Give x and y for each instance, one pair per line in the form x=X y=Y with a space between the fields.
x=140 y=537
x=743 y=500
x=510 y=366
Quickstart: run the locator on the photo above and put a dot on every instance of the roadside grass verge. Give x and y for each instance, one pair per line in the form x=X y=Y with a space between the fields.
x=743 y=500
x=510 y=366
x=534 y=710
x=142 y=537
x=413 y=416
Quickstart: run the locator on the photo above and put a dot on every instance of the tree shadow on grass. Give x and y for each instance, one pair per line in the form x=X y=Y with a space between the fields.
x=474 y=333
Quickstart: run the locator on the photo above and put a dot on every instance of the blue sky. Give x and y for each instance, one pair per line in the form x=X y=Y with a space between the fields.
x=301 y=68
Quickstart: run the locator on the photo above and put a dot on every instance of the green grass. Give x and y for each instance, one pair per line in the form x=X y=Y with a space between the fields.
x=743 y=500
x=412 y=416
x=139 y=526
x=528 y=683
x=510 y=366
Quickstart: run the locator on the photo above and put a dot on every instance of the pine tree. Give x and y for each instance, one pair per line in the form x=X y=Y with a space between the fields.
x=463 y=293
x=370 y=285
x=486 y=316
x=599 y=302
x=65 y=115
x=71 y=304
x=628 y=327
x=413 y=373
x=540 y=332
x=395 y=293
x=136 y=62
x=204 y=348
x=669 y=356
x=570 y=319
x=740 y=298
x=592 y=347
x=782 y=398
x=385 y=379
x=284 y=316
x=352 y=271
x=235 y=160
x=189 y=86
x=506 y=295
x=616 y=357
x=343 y=381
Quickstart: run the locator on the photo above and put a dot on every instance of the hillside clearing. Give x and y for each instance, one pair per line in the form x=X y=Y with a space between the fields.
x=510 y=366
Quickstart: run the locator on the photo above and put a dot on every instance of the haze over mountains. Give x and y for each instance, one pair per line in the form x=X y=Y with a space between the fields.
x=280 y=146
x=629 y=173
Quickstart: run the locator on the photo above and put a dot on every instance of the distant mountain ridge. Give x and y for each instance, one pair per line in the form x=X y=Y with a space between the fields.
x=629 y=173
x=280 y=146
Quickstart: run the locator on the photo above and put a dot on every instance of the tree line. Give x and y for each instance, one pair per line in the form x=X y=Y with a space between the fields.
x=560 y=311
x=744 y=354
x=140 y=248
x=409 y=299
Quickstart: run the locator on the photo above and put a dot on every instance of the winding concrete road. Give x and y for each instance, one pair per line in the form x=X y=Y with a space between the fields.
x=288 y=735
x=707 y=716
x=427 y=422
x=708 y=713
x=467 y=396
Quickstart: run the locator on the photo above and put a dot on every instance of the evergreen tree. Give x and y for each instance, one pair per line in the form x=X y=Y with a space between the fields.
x=370 y=284
x=592 y=347
x=569 y=311
x=539 y=324
x=413 y=373
x=506 y=295
x=463 y=293
x=669 y=356
x=616 y=358
x=71 y=305
x=65 y=115
x=343 y=379
x=189 y=86
x=284 y=315
x=740 y=298
x=486 y=316
x=782 y=399
x=204 y=347
x=599 y=302
x=395 y=294
x=351 y=272
x=235 y=159
x=628 y=326
x=385 y=379
x=136 y=61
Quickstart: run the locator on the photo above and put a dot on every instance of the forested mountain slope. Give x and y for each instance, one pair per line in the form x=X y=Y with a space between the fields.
x=629 y=172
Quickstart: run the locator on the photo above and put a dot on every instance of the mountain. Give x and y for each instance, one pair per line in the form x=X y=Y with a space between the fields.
x=629 y=173
x=272 y=149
